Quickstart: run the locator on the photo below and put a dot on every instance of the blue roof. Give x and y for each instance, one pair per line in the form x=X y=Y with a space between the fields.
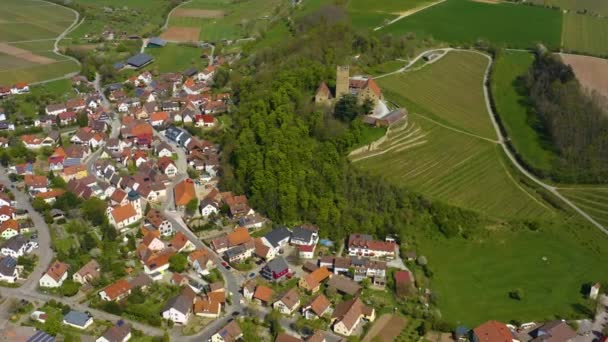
x=157 y=41
x=326 y=242
x=140 y=60
x=8 y=262
x=41 y=336
x=76 y=318
x=119 y=65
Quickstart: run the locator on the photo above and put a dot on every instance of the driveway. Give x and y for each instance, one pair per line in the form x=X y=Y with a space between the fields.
x=591 y=331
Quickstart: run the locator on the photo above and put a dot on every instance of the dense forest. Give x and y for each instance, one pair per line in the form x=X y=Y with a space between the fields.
x=574 y=121
x=290 y=157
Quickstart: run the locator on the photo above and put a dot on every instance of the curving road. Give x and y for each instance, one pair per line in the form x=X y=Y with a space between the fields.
x=502 y=139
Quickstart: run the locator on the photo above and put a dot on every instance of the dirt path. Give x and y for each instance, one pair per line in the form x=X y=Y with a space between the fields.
x=408 y=13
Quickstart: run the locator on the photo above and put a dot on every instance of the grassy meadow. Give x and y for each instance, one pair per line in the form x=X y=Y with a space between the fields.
x=513 y=110
x=177 y=58
x=464 y=22
x=241 y=19
x=473 y=278
x=585 y=34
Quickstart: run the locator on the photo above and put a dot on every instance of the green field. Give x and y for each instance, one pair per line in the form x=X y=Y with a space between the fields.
x=464 y=21
x=592 y=200
x=513 y=111
x=241 y=19
x=370 y=14
x=32 y=26
x=591 y=6
x=585 y=34
x=450 y=90
x=472 y=278
x=177 y=58
x=448 y=149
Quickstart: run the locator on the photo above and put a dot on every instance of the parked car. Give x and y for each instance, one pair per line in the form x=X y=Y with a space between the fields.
x=251 y=275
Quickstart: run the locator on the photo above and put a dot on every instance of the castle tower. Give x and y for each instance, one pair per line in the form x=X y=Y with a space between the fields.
x=342 y=83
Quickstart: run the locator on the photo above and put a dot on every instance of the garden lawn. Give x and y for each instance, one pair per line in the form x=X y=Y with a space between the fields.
x=465 y=22
x=513 y=110
x=472 y=279
x=177 y=58
x=585 y=34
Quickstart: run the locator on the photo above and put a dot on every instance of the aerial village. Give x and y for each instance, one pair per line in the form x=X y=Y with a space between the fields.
x=145 y=239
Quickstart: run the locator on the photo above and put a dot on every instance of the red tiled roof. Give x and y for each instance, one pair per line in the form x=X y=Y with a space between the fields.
x=184 y=192
x=117 y=289
x=123 y=212
x=493 y=331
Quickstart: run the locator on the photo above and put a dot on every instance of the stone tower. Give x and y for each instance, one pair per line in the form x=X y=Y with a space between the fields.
x=342 y=83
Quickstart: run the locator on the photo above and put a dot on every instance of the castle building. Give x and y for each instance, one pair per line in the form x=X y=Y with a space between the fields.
x=364 y=88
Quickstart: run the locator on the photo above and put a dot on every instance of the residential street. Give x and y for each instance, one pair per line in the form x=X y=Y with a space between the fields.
x=44 y=251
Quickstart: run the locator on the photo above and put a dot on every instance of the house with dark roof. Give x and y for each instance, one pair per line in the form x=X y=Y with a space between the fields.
x=77 y=319
x=179 y=308
x=288 y=303
x=275 y=269
x=277 y=238
x=229 y=333
x=554 y=331
x=304 y=236
x=15 y=247
x=8 y=270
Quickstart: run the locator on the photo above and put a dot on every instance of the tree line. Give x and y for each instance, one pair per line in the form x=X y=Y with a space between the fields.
x=573 y=120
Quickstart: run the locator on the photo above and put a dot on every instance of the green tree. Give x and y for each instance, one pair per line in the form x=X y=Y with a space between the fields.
x=94 y=210
x=178 y=263
x=82 y=119
x=221 y=78
x=347 y=108
x=192 y=206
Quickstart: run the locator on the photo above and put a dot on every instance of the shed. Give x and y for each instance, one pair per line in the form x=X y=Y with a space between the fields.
x=140 y=60
x=155 y=42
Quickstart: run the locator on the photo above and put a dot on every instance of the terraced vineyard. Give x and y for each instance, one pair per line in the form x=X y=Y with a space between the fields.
x=440 y=92
x=594 y=201
x=447 y=149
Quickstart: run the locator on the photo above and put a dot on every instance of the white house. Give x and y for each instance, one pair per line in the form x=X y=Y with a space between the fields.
x=8 y=229
x=209 y=207
x=288 y=303
x=15 y=247
x=178 y=309
x=8 y=270
x=55 y=275
x=121 y=217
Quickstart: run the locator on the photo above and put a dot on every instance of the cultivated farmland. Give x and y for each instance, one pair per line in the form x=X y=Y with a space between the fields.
x=225 y=19
x=464 y=21
x=176 y=57
x=448 y=149
x=585 y=34
x=27 y=31
x=371 y=14
x=591 y=72
x=513 y=111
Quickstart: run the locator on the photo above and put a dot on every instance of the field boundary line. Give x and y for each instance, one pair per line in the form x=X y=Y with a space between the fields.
x=408 y=13
x=455 y=129
x=504 y=167
x=166 y=25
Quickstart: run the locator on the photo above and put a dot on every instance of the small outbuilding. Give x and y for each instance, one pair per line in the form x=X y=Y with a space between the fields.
x=156 y=42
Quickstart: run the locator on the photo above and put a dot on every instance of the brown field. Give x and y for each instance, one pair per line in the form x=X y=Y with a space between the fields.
x=591 y=72
x=198 y=13
x=491 y=2
x=24 y=54
x=386 y=328
x=439 y=337
x=181 y=34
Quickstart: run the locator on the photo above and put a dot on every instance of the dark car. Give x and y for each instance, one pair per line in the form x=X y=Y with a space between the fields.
x=251 y=275
x=236 y=313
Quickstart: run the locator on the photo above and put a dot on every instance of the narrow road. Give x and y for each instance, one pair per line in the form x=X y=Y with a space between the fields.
x=231 y=280
x=44 y=251
x=408 y=13
x=166 y=25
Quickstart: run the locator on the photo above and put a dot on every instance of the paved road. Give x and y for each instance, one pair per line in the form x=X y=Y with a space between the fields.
x=233 y=281
x=44 y=251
